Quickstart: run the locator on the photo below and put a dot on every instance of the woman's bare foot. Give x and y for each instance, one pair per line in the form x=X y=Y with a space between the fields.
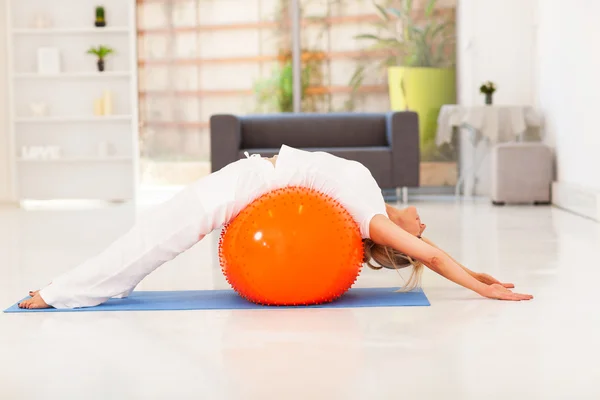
x=35 y=301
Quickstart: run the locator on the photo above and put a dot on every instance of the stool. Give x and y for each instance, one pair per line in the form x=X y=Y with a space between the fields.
x=521 y=173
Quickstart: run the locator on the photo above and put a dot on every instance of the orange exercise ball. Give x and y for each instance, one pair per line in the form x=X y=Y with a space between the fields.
x=291 y=246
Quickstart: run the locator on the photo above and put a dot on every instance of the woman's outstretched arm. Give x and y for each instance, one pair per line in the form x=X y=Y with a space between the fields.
x=481 y=277
x=385 y=232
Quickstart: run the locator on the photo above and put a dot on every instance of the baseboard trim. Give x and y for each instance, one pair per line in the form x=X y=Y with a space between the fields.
x=576 y=199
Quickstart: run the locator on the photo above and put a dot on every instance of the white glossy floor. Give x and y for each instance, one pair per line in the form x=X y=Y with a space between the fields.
x=462 y=347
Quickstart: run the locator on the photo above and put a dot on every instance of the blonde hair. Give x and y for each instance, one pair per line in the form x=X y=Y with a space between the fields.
x=390 y=258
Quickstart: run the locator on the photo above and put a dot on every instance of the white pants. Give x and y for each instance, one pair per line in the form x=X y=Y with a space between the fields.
x=160 y=235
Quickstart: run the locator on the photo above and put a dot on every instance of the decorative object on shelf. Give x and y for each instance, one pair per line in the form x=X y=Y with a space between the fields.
x=488 y=88
x=104 y=105
x=420 y=42
x=38 y=108
x=41 y=21
x=100 y=20
x=98 y=107
x=101 y=52
x=106 y=149
x=107 y=102
x=48 y=60
x=41 y=152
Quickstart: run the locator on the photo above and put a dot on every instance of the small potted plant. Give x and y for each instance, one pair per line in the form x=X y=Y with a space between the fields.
x=488 y=88
x=100 y=21
x=101 y=52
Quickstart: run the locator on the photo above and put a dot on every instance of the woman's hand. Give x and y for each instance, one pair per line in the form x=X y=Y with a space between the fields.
x=490 y=280
x=499 y=292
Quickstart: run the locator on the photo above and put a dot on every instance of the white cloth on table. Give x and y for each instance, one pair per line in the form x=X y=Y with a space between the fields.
x=495 y=123
x=171 y=228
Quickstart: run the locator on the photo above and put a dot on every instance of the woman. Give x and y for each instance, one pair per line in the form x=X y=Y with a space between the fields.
x=391 y=236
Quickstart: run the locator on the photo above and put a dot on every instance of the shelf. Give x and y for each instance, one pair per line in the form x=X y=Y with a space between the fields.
x=69 y=31
x=340 y=55
x=108 y=118
x=77 y=160
x=74 y=75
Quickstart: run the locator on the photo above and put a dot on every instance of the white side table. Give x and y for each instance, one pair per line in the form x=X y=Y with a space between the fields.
x=493 y=124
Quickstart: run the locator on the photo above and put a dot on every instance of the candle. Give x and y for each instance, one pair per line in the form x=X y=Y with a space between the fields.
x=108 y=102
x=98 y=107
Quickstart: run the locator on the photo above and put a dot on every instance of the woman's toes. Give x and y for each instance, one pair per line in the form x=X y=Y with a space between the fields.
x=38 y=302
x=35 y=301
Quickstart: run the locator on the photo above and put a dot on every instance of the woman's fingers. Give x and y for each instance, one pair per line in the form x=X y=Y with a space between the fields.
x=503 y=293
x=508 y=295
x=490 y=280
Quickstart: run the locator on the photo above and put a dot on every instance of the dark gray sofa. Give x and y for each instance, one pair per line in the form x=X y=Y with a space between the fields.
x=386 y=143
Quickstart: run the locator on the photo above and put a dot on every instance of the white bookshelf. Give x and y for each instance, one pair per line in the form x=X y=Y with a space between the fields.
x=83 y=171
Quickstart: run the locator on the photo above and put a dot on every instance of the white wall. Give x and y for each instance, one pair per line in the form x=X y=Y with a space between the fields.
x=569 y=87
x=4 y=164
x=496 y=41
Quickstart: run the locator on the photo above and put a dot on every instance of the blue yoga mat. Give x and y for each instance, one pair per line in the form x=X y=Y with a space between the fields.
x=229 y=300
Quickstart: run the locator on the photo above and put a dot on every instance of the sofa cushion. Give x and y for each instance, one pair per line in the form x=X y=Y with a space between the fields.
x=378 y=159
x=307 y=130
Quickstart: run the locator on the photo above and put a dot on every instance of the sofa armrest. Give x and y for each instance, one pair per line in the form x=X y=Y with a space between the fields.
x=403 y=137
x=225 y=140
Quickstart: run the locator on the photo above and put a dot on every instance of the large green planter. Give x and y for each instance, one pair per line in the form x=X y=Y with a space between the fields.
x=425 y=91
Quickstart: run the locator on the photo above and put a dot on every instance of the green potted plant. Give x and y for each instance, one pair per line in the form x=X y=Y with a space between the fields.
x=488 y=88
x=275 y=93
x=419 y=62
x=101 y=52
x=100 y=21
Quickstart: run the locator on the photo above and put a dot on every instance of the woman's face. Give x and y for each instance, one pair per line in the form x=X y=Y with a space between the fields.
x=409 y=220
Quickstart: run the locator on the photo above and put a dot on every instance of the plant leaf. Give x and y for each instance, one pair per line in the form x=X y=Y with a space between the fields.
x=383 y=14
x=429 y=7
x=440 y=28
x=357 y=77
x=397 y=13
x=367 y=36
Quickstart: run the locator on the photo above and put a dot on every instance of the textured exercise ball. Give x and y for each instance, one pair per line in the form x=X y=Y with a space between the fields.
x=291 y=246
